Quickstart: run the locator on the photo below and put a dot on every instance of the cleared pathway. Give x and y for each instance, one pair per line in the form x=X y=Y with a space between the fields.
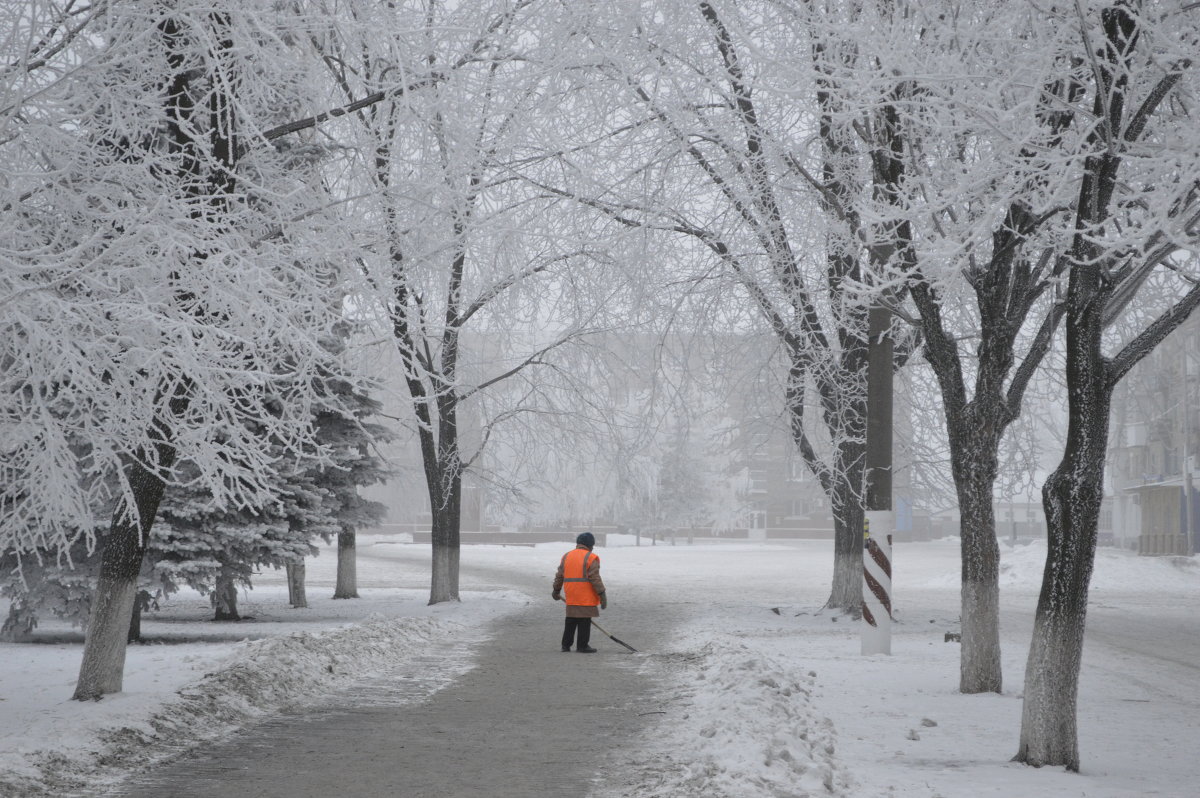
x=528 y=720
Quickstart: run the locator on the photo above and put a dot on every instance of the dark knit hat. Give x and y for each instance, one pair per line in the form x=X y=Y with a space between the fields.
x=585 y=539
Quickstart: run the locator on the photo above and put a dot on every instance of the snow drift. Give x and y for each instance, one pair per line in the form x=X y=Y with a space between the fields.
x=260 y=677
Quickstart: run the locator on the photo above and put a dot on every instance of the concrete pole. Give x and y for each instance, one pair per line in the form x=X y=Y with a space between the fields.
x=879 y=410
x=877 y=552
x=1186 y=467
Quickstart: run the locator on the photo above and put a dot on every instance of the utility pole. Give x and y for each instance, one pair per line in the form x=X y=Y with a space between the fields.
x=887 y=166
x=1186 y=464
x=877 y=551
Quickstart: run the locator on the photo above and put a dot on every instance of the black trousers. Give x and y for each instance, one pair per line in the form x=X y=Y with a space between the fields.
x=579 y=630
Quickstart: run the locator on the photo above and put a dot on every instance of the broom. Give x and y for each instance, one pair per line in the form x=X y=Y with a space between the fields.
x=614 y=639
x=610 y=637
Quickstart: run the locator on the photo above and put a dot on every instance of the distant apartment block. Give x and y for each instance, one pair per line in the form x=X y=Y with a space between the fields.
x=1155 y=449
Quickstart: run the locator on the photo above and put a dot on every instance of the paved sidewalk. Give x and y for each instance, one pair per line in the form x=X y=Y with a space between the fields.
x=528 y=721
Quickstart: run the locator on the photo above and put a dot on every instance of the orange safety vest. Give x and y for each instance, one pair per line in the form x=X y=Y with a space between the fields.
x=576 y=585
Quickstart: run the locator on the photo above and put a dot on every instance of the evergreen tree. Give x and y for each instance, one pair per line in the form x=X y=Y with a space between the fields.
x=351 y=435
x=47 y=583
x=216 y=549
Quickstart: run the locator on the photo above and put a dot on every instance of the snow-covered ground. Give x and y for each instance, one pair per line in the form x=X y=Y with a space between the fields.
x=781 y=705
x=196 y=680
x=766 y=695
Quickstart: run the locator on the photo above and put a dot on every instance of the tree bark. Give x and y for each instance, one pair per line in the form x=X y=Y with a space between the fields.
x=135 y=621
x=297 y=596
x=844 y=413
x=846 y=593
x=103 y=667
x=434 y=410
x=1006 y=290
x=1072 y=497
x=446 y=538
x=980 y=669
x=224 y=599
x=347 y=566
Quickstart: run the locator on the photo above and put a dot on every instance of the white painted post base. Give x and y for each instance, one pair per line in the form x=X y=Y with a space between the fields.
x=877 y=582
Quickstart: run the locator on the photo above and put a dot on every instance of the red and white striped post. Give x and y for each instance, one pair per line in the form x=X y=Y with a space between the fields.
x=877 y=583
x=877 y=498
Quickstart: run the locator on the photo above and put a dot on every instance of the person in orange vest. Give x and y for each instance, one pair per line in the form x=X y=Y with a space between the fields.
x=579 y=577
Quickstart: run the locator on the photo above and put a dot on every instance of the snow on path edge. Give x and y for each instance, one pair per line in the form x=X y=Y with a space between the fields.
x=262 y=676
x=739 y=723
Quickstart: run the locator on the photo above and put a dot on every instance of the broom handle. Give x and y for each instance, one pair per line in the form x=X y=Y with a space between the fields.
x=606 y=634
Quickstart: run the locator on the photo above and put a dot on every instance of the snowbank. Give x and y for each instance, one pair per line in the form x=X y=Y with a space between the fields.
x=260 y=676
x=743 y=726
x=197 y=680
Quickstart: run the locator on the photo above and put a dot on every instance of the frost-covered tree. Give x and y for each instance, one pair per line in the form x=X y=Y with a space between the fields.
x=469 y=273
x=351 y=435
x=719 y=107
x=217 y=549
x=214 y=549
x=684 y=478
x=48 y=584
x=152 y=301
x=980 y=265
x=1136 y=161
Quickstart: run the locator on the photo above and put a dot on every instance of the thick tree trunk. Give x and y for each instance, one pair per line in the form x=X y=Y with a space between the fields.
x=297 y=596
x=974 y=432
x=846 y=496
x=847 y=552
x=446 y=490
x=347 y=566
x=224 y=599
x=1072 y=494
x=980 y=670
x=446 y=544
x=103 y=667
x=843 y=403
x=843 y=481
x=1072 y=497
